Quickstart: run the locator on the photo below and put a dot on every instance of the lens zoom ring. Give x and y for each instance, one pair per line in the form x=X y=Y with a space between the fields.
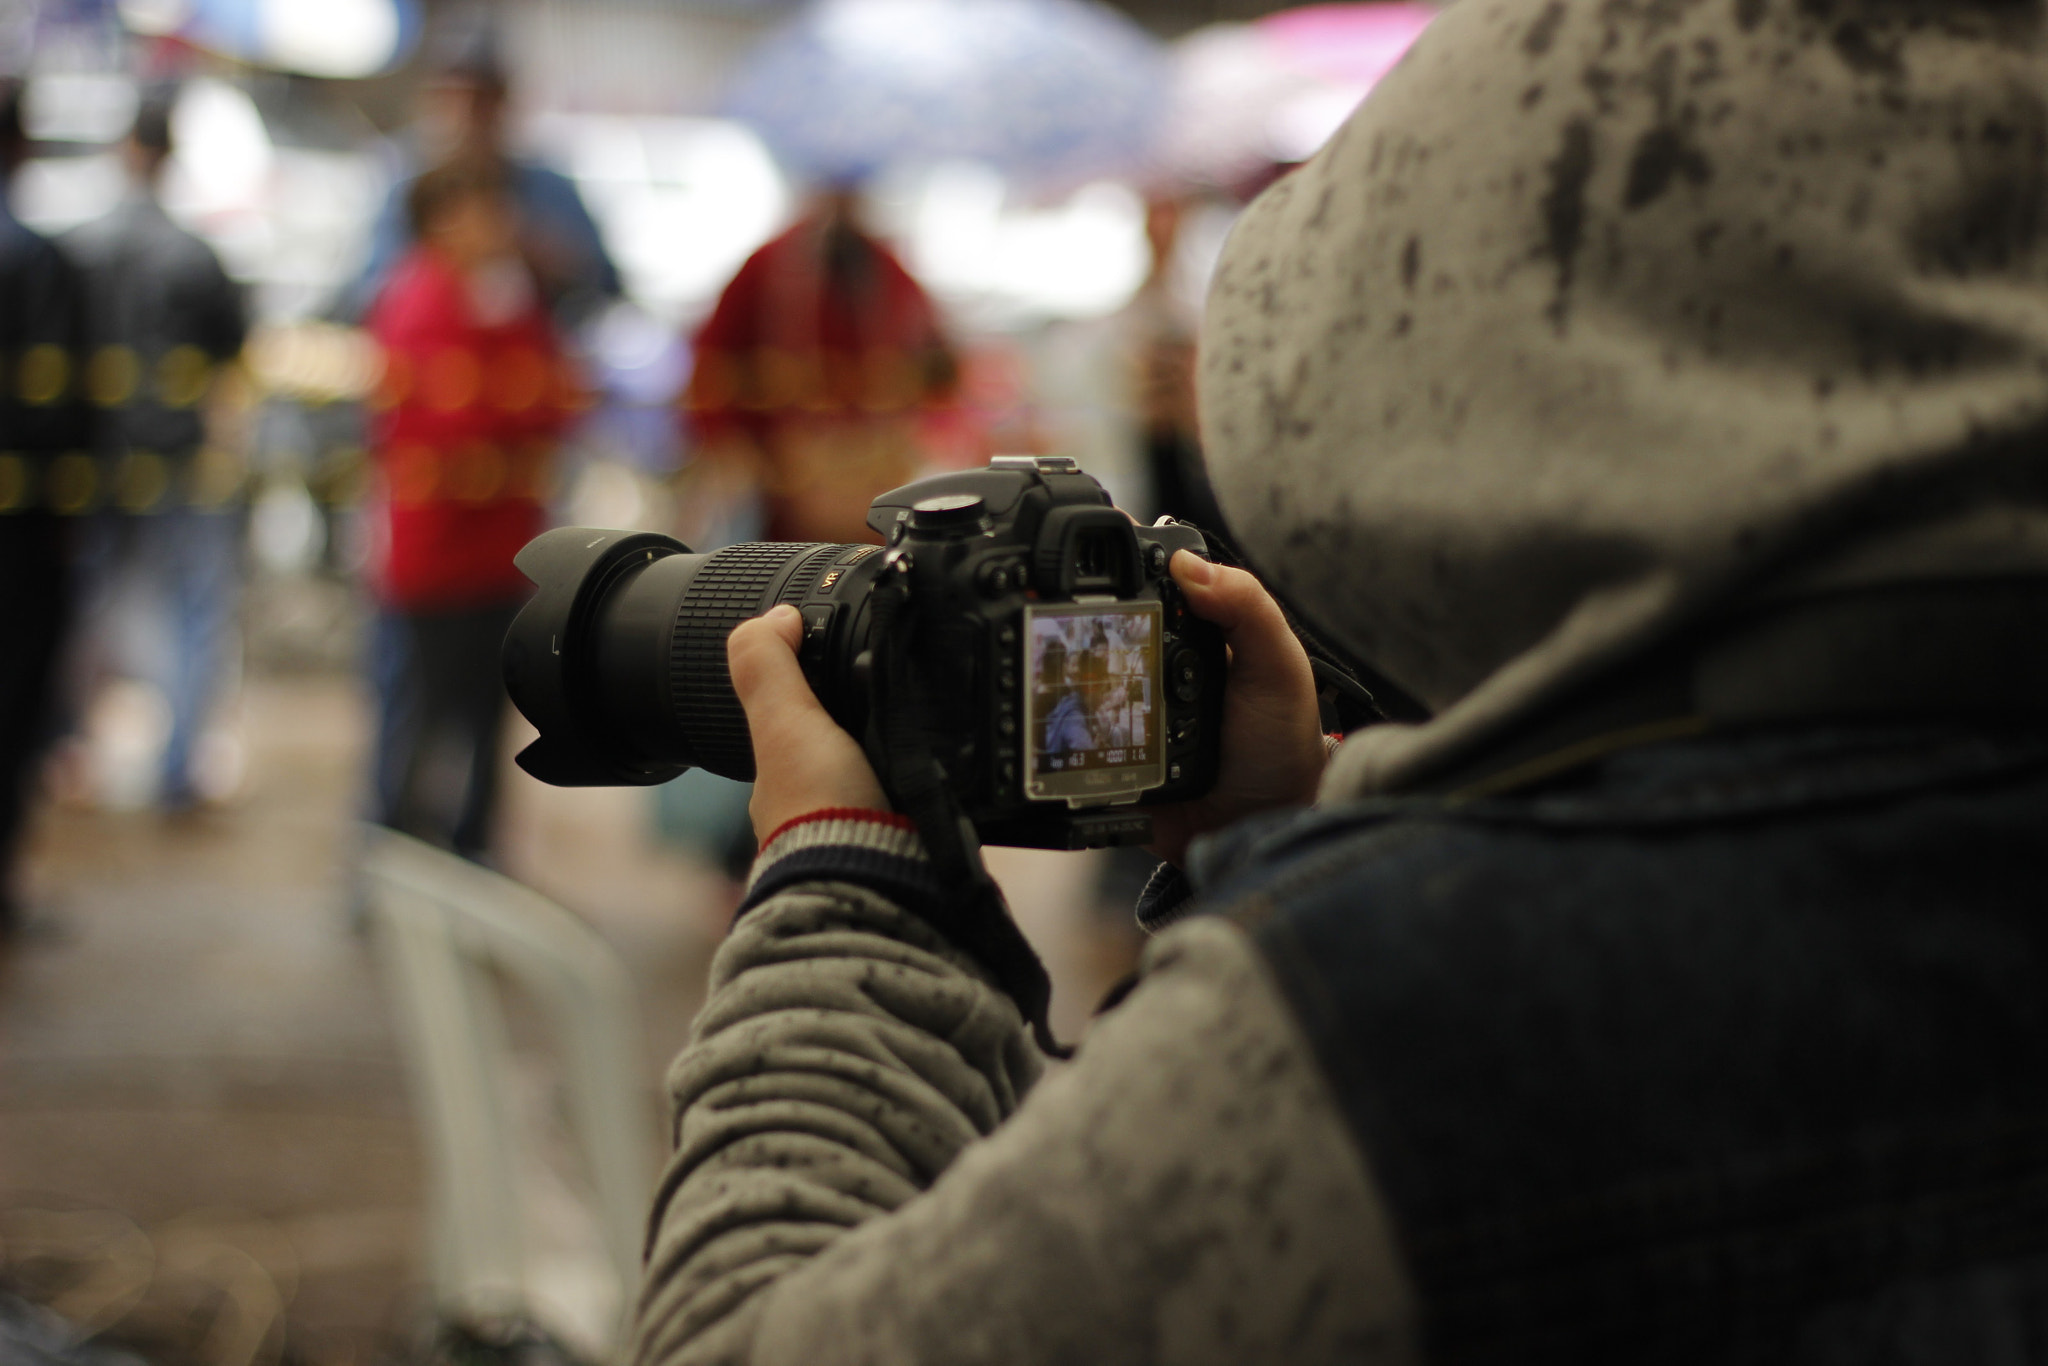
x=725 y=592
x=807 y=575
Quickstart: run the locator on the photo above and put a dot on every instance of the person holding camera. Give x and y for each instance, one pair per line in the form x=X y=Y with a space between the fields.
x=1657 y=396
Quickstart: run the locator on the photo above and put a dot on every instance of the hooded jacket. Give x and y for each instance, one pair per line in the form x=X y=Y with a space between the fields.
x=1675 y=363
x=1600 y=318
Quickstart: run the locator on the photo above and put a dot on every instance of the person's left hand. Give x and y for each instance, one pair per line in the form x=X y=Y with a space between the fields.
x=1272 y=742
x=804 y=761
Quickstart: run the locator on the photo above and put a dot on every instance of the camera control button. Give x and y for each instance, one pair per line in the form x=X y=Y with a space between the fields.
x=1186 y=677
x=947 y=512
x=996 y=581
x=817 y=623
x=1156 y=558
x=1006 y=637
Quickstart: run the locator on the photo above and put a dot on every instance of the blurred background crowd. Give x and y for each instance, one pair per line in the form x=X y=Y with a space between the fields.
x=316 y=311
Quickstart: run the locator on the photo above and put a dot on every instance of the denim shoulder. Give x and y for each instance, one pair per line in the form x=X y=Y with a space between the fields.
x=1660 y=1063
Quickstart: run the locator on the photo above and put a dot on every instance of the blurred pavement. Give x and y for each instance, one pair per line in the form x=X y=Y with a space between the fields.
x=204 y=1130
x=194 y=1039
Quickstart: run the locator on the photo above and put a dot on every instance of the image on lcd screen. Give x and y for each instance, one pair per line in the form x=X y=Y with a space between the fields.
x=1093 y=703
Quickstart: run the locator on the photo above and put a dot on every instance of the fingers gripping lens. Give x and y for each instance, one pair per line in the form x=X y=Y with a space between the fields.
x=734 y=584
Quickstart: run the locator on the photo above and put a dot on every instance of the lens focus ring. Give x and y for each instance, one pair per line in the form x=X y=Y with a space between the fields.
x=729 y=588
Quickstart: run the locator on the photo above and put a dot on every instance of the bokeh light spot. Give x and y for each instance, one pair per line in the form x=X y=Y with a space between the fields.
x=451 y=379
x=414 y=475
x=111 y=376
x=140 y=481
x=74 y=482
x=519 y=379
x=182 y=376
x=45 y=374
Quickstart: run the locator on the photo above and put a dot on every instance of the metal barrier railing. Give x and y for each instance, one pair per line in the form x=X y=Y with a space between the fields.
x=446 y=928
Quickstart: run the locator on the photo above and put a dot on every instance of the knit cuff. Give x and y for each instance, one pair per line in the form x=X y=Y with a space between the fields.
x=879 y=850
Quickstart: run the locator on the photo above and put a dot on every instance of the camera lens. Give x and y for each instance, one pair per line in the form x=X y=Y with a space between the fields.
x=730 y=586
x=619 y=659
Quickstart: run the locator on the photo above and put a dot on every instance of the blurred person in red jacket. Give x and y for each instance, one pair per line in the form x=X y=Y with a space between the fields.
x=814 y=372
x=474 y=397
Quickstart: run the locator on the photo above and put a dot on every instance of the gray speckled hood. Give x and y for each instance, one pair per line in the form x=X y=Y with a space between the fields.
x=1601 y=315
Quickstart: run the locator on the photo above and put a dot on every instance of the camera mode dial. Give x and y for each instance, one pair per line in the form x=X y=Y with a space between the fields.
x=949 y=514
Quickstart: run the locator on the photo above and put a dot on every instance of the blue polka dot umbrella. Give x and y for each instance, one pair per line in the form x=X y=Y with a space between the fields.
x=1051 y=91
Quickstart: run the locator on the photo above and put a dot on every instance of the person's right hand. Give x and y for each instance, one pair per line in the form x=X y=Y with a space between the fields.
x=803 y=760
x=1273 y=751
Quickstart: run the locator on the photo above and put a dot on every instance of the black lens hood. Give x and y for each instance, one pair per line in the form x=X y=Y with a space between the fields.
x=545 y=655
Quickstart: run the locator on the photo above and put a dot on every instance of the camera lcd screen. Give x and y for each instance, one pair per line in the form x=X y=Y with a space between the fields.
x=1092 y=707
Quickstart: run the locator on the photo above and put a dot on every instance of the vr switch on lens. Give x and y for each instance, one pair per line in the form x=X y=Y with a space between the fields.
x=1017 y=647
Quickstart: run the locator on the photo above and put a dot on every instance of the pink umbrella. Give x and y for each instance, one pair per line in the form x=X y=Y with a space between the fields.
x=1347 y=44
x=1245 y=96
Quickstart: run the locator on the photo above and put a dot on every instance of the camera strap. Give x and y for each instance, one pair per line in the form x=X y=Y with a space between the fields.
x=974 y=917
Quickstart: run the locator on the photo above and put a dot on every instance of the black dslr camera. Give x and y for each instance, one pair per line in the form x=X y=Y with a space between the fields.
x=1016 y=651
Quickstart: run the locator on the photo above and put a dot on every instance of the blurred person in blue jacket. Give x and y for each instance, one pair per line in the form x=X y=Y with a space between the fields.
x=163 y=322
x=462 y=117
x=43 y=427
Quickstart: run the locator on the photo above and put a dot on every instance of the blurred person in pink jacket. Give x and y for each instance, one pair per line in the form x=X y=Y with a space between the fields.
x=474 y=401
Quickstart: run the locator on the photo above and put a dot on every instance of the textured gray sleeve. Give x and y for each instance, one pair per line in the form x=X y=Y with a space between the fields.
x=1184 y=1193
